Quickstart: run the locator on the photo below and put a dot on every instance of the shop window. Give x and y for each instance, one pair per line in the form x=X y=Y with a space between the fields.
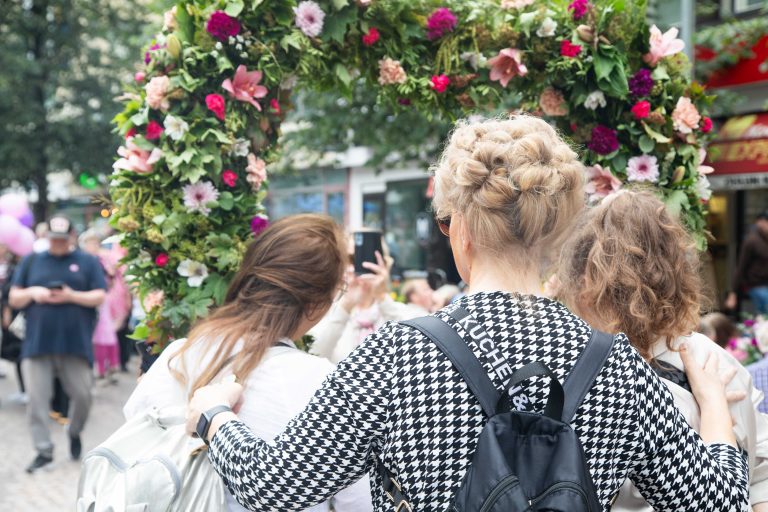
x=745 y=6
x=404 y=201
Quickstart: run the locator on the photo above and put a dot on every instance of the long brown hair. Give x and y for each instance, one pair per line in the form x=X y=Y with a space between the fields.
x=289 y=273
x=635 y=268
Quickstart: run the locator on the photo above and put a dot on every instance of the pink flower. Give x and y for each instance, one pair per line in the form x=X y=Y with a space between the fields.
x=139 y=76
x=229 y=177
x=391 y=72
x=136 y=159
x=216 y=104
x=440 y=83
x=155 y=298
x=371 y=37
x=704 y=169
x=245 y=86
x=685 y=117
x=198 y=195
x=706 y=125
x=643 y=168
x=256 y=170
x=568 y=49
x=154 y=130
x=169 y=19
x=507 y=65
x=161 y=259
x=552 y=102
x=275 y=106
x=440 y=22
x=515 y=4
x=663 y=45
x=579 y=8
x=641 y=109
x=602 y=183
x=258 y=224
x=309 y=18
x=157 y=90
x=222 y=26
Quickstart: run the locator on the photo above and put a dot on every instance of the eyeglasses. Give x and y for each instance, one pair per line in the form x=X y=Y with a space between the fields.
x=341 y=291
x=444 y=225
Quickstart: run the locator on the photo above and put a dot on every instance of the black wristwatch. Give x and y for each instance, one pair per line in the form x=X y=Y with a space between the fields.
x=204 y=423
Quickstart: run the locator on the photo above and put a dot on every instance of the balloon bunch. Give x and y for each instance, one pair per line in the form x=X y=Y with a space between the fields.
x=16 y=219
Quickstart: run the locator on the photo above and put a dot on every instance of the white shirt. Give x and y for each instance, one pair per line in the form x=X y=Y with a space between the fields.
x=277 y=390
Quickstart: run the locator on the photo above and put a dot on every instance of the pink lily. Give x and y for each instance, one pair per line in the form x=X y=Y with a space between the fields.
x=136 y=159
x=704 y=169
x=245 y=86
x=507 y=65
x=663 y=45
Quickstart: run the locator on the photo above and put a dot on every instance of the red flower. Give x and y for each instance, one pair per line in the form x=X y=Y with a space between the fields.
x=258 y=224
x=706 y=125
x=579 y=8
x=229 y=177
x=568 y=49
x=130 y=133
x=641 y=109
x=371 y=37
x=274 y=105
x=222 y=26
x=161 y=259
x=215 y=103
x=154 y=130
x=440 y=83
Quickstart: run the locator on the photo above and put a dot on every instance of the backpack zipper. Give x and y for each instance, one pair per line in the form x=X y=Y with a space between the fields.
x=562 y=485
x=503 y=486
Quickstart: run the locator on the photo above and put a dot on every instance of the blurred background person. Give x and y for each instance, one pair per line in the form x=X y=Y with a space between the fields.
x=751 y=274
x=419 y=296
x=719 y=328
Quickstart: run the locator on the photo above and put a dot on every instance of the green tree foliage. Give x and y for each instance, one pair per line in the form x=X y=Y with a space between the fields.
x=62 y=63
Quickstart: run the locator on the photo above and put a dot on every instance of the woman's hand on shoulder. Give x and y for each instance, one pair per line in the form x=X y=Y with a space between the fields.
x=208 y=397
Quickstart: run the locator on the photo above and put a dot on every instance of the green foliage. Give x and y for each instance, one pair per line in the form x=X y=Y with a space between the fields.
x=400 y=116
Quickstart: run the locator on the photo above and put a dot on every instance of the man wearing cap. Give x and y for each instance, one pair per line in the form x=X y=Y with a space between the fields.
x=751 y=273
x=59 y=291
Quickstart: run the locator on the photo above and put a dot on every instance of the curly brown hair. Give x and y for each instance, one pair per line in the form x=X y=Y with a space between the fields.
x=631 y=267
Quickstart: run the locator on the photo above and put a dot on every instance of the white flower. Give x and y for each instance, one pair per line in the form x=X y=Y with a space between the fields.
x=289 y=82
x=244 y=55
x=175 y=127
x=474 y=59
x=547 y=28
x=194 y=271
x=594 y=100
x=702 y=188
x=239 y=47
x=231 y=40
x=218 y=45
x=241 y=147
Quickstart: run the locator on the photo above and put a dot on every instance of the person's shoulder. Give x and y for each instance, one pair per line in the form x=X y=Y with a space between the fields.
x=299 y=360
x=84 y=257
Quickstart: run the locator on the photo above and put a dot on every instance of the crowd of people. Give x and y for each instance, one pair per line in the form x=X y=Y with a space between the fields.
x=376 y=416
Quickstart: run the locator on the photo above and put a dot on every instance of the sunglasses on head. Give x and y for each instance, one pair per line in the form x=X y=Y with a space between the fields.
x=445 y=225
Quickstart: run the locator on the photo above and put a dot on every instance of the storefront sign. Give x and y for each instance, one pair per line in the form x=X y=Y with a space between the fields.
x=741 y=146
x=739 y=181
x=746 y=71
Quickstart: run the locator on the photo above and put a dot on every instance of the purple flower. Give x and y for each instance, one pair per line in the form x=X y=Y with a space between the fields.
x=309 y=18
x=404 y=101
x=148 y=53
x=604 y=140
x=258 y=224
x=222 y=26
x=440 y=22
x=198 y=195
x=749 y=322
x=641 y=83
x=579 y=8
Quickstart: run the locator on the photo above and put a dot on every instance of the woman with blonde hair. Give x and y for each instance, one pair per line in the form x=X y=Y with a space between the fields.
x=631 y=267
x=506 y=192
x=289 y=277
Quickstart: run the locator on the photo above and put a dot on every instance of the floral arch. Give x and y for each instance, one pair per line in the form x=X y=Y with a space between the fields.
x=202 y=118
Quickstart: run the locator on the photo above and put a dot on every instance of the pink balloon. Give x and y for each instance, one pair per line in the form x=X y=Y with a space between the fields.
x=10 y=230
x=22 y=246
x=28 y=219
x=15 y=205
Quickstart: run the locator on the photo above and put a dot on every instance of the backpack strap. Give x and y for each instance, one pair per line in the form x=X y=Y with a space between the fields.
x=456 y=349
x=584 y=372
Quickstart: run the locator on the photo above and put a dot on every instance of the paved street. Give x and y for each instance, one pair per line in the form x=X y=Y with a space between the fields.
x=54 y=490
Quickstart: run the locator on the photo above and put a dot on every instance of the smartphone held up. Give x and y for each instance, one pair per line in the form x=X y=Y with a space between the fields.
x=367 y=243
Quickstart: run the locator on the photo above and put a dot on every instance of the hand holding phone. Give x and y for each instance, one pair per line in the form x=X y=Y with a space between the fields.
x=367 y=243
x=55 y=285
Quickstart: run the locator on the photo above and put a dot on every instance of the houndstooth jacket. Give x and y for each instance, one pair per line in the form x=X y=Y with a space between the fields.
x=399 y=398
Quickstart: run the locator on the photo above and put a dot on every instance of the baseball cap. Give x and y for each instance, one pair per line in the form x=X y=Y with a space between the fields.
x=762 y=215
x=59 y=227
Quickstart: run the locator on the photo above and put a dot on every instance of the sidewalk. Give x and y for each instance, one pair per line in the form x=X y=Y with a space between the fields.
x=54 y=490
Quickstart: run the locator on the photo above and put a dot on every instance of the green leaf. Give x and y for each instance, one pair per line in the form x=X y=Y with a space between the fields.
x=343 y=74
x=217 y=134
x=140 y=332
x=339 y=4
x=646 y=144
x=234 y=8
x=226 y=201
x=292 y=40
x=159 y=219
x=660 y=73
x=336 y=27
x=186 y=30
x=192 y=174
x=658 y=137
x=140 y=118
x=619 y=162
x=676 y=202
x=609 y=70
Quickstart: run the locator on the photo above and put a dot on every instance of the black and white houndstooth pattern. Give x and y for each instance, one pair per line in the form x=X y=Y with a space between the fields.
x=397 y=396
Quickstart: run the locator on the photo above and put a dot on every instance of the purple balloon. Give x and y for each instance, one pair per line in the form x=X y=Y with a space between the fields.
x=15 y=205
x=28 y=219
x=22 y=246
x=10 y=230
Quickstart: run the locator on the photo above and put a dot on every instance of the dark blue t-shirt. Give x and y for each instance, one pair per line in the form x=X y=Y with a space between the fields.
x=59 y=328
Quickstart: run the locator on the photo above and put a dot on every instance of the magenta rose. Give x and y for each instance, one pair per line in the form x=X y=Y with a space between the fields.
x=222 y=26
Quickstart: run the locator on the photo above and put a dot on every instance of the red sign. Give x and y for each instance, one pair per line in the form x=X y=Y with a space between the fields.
x=745 y=71
x=741 y=146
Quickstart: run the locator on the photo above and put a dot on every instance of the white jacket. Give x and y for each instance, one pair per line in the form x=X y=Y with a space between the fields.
x=749 y=425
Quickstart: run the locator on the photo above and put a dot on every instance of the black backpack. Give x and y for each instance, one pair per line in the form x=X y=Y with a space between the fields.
x=524 y=461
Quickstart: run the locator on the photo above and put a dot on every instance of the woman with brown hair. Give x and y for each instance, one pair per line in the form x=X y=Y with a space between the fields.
x=631 y=267
x=289 y=277
x=506 y=193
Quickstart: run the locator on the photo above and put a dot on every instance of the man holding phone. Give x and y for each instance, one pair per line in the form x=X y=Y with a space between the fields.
x=59 y=291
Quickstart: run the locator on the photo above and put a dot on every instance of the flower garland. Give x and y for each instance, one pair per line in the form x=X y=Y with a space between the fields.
x=202 y=117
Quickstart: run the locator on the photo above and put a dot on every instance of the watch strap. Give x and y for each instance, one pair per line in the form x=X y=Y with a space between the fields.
x=204 y=425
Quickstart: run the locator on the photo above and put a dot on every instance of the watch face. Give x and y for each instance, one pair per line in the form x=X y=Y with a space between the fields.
x=202 y=426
